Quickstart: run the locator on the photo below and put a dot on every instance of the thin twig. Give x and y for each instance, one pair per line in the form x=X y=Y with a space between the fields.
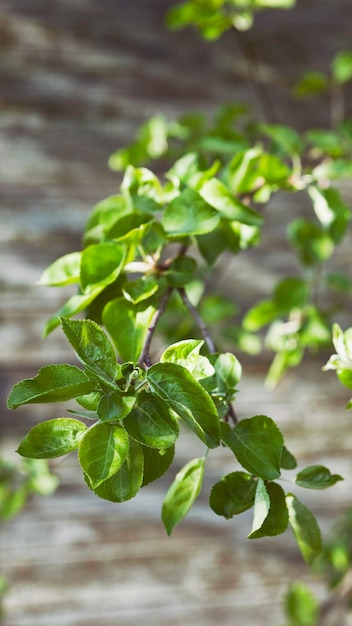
x=207 y=338
x=144 y=359
x=197 y=318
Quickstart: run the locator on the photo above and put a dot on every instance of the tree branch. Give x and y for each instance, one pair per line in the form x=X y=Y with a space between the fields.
x=198 y=320
x=144 y=358
x=208 y=341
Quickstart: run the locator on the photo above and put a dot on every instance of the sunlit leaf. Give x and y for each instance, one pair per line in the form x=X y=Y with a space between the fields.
x=305 y=528
x=151 y=423
x=53 y=383
x=270 y=511
x=127 y=325
x=52 y=438
x=64 y=271
x=189 y=214
x=184 y=395
x=126 y=483
x=102 y=451
x=92 y=347
x=182 y=494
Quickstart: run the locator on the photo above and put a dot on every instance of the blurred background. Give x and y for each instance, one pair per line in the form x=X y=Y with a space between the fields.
x=76 y=81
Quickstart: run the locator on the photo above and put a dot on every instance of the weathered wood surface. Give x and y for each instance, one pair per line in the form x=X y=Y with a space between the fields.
x=76 y=79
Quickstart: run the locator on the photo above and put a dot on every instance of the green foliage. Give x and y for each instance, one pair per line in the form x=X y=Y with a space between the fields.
x=213 y=17
x=146 y=263
x=18 y=481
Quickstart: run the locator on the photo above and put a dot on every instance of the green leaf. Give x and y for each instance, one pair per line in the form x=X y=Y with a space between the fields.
x=103 y=217
x=317 y=477
x=273 y=169
x=305 y=528
x=331 y=211
x=115 y=405
x=151 y=423
x=290 y=293
x=184 y=395
x=74 y=305
x=126 y=483
x=241 y=175
x=345 y=377
x=288 y=461
x=270 y=511
x=181 y=271
x=52 y=438
x=53 y=383
x=140 y=289
x=186 y=353
x=128 y=325
x=311 y=84
x=92 y=347
x=156 y=463
x=182 y=494
x=101 y=264
x=228 y=371
x=261 y=508
x=102 y=451
x=189 y=214
x=302 y=607
x=287 y=139
x=342 y=67
x=233 y=494
x=313 y=244
x=64 y=271
x=257 y=443
x=218 y=195
x=261 y=314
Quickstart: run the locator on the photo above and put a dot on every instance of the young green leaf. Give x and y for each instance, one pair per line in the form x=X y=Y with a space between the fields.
x=64 y=271
x=189 y=214
x=270 y=511
x=73 y=305
x=302 y=607
x=228 y=372
x=126 y=483
x=186 y=353
x=102 y=451
x=181 y=271
x=261 y=507
x=317 y=477
x=305 y=528
x=156 y=463
x=151 y=423
x=128 y=325
x=218 y=195
x=184 y=395
x=140 y=289
x=257 y=443
x=92 y=347
x=101 y=264
x=233 y=494
x=115 y=405
x=261 y=314
x=53 y=383
x=52 y=438
x=342 y=67
x=182 y=494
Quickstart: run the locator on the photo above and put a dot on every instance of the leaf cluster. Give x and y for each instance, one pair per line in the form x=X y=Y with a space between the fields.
x=136 y=414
